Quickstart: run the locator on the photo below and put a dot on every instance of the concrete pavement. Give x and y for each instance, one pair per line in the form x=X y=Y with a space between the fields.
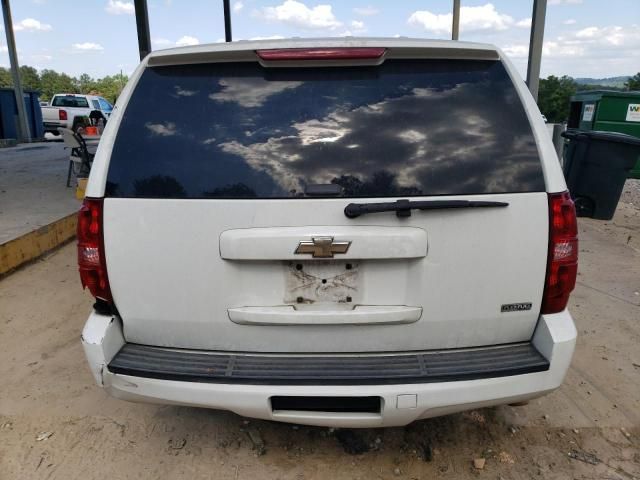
x=32 y=188
x=37 y=210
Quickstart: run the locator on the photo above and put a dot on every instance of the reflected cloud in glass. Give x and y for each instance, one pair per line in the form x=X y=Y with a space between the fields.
x=430 y=127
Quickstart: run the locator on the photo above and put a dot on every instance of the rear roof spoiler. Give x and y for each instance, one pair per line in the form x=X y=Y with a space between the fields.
x=397 y=48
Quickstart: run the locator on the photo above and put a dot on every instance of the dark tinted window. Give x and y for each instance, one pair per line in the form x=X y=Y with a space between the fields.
x=237 y=130
x=70 y=101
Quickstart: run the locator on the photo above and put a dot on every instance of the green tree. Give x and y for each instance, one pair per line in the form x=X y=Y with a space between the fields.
x=110 y=86
x=85 y=83
x=30 y=78
x=52 y=82
x=593 y=86
x=5 y=78
x=554 y=96
x=28 y=75
x=633 y=83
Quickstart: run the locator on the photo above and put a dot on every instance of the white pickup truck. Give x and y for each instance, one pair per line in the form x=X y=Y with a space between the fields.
x=67 y=110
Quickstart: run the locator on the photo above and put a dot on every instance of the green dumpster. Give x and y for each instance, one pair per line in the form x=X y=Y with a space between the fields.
x=609 y=111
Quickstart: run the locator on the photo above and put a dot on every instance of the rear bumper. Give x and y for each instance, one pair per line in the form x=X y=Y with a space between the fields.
x=402 y=403
x=52 y=127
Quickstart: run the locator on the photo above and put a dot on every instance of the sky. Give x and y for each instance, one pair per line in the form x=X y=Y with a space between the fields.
x=583 y=38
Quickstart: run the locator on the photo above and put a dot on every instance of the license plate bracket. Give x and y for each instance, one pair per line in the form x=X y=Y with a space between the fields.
x=330 y=281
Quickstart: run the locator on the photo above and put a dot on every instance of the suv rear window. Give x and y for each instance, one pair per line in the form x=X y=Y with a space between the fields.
x=405 y=128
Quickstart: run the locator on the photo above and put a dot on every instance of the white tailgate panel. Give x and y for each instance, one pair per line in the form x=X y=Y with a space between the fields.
x=172 y=287
x=278 y=243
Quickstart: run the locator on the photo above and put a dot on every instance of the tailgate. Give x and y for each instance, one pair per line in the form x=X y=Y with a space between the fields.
x=458 y=268
x=224 y=217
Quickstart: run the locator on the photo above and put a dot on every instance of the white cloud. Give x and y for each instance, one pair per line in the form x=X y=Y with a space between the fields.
x=588 y=52
x=187 y=40
x=271 y=37
x=412 y=136
x=367 y=11
x=524 y=23
x=161 y=42
x=165 y=129
x=182 y=92
x=357 y=27
x=557 y=49
x=569 y=21
x=250 y=92
x=31 y=25
x=297 y=14
x=480 y=18
x=41 y=57
x=117 y=7
x=516 y=51
x=610 y=36
x=87 y=46
x=238 y=6
x=431 y=22
x=564 y=2
x=589 y=32
x=181 y=42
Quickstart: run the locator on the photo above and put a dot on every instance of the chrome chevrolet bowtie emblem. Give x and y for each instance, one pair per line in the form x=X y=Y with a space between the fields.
x=322 y=247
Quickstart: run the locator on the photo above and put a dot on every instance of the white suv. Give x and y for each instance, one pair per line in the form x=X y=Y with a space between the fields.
x=343 y=232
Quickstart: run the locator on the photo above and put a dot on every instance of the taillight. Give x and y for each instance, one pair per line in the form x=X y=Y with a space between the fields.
x=281 y=54
x=62 y=114
x=562 y=264
x=91 y=259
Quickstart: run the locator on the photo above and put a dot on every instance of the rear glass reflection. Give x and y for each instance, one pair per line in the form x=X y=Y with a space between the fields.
x=405 y=128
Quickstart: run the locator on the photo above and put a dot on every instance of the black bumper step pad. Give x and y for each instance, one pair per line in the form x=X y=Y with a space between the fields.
x=313 y=369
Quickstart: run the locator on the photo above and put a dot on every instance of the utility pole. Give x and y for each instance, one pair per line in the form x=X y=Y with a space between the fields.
x=455 y=28
x=227 y=20
x=535 y=46
x=24 y=135
x=142 y=25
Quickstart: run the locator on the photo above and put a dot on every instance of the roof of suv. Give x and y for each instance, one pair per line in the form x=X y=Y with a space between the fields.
x=402 y=47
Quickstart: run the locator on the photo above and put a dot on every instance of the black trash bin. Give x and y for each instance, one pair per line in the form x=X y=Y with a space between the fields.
x=596 y=165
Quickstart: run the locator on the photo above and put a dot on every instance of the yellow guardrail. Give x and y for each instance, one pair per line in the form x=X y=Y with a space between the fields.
x=32 y=245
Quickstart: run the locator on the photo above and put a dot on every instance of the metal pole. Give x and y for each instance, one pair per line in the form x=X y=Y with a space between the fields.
x=24 y=135
x=142 y=24
x=535 y=46
x=455 y=28
x=227 y=21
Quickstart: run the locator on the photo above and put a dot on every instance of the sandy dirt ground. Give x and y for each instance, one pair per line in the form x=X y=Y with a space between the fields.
x=55 y=423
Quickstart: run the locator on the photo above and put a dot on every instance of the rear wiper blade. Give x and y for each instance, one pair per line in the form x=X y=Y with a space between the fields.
x=403 y=207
